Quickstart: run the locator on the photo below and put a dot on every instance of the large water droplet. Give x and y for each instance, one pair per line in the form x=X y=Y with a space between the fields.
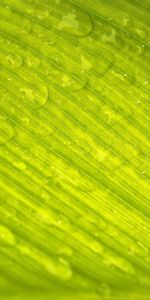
x=76 y=23
x=6 y=236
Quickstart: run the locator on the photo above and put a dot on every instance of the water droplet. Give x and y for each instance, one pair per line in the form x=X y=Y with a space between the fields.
x=141 y=32
x=55 y=219
x=109 y=37
x=6 y=236
x=96 y=247
x=126 y=21
x=20 y=165
x=23 y=249
x=46 y=216
x=6 y=131
x=59 y=268
x=68 y=21
x=64 y=250
x=113 y=260
x=36 y=97
x=13 y=61
x=100 y=154
x=62 y=269
x=33 y=61
x=76 y=23
x=41 y=128
x=85 y=63
x=64 y=223
x=69 y=81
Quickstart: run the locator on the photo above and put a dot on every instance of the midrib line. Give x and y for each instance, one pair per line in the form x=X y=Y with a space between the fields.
x=110 y=200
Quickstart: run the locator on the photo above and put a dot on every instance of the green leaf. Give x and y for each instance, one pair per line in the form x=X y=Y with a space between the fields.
x=74 y=150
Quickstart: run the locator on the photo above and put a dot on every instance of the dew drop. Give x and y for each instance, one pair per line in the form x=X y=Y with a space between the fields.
x=33 y=61
x=6 y=236
x=141 y=33
x=46 y=216
x=13 y=61
x=20 y=165
x=59 y=268
x=85 y=63
x=96 y=247
x=37 y=98
x=126 y=21
x=118 y=262
x=24 y=250
x=64 y=250
x=69 y=81
x=76 y=23
x=68 y=21
x=64 y=223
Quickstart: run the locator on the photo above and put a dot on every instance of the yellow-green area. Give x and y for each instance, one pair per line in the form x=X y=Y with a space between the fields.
x=74 y=149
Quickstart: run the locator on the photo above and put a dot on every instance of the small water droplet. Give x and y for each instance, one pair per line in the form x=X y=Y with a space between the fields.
x=141 y=32
x=57 y=267
x=96 y=247
x=64 y=223
x=64 y=250
x=20 y=165
x=70 y=82
x=6 y=236
x=85 y=63
x=37 y=98
x=68 y=21
x=113 y=260
x=13 y=61
x=126 y=21
x=33 y=61
x=23 y=249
